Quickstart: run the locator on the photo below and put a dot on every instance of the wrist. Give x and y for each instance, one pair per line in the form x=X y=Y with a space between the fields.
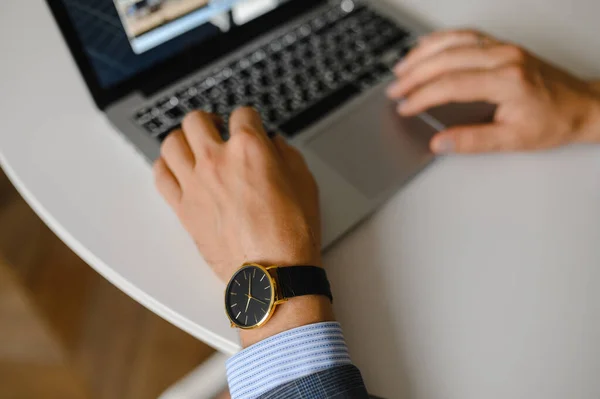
x=296 y=312
x=307 y=254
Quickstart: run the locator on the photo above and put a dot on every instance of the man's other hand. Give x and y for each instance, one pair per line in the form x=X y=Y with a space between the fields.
x=250 y=199
x=539 y=106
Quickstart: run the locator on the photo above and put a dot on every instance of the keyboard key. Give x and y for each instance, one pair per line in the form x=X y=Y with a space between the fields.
x=331 y=77
x=298 y=79
x=287 y=56
x=289 y=39
x=229 y=84
x=316 y=41
x=143 y=114
x=210 y=82
x=182 y=93
x=308 y=54
x=265 y=99
x=243 y=64
x=222 y=109
x=333 y=14
x=304 y=31
x=209 y=107
x=295 y=63
x=215 y=93
x=285 y=106
x=154 y=126
x=262 y=81
x=258 y=68
x=196 y=102
x=230 y=99
x=318 y=110
x=227 y=72
x=275 y=57
x=175 y=113
x=259 y=55
x=244 y=74
x=275 y=46
x=166 y=103
x=317 y=86
x=247 y=90
x=279 y=90
x=374 y=75
x=318 y=23
x=278 y=72
x=272 y=116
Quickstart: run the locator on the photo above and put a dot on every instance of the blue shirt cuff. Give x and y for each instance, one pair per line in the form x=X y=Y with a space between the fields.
x=286 y=357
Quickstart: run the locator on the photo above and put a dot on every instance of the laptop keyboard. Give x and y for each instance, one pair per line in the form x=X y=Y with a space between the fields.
x=297 y=78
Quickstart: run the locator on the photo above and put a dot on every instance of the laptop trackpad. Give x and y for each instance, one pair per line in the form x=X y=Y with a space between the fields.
x=372 y=147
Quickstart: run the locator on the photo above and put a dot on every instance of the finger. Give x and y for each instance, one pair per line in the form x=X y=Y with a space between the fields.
x=247 y=119
x=200 y=129
x=461 y=87
x=474 y=139
x=437 y=42
x=448 y=61
x=177 y=154
x=166 y=183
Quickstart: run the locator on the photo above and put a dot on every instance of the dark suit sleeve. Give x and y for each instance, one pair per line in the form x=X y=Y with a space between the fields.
x=343 y=382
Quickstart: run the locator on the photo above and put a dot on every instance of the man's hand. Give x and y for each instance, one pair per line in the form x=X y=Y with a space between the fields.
x=250 y=199
x=539 y=106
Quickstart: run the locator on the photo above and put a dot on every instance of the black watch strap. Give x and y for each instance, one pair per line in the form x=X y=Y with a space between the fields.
x=303 y=280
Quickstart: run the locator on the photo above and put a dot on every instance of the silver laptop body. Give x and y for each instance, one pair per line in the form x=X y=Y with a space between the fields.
x=360 y=151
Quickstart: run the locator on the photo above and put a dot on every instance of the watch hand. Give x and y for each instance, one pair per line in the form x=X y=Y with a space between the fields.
x=264 y=303
x=250 y=285
x=256 y=299
x=247 y=303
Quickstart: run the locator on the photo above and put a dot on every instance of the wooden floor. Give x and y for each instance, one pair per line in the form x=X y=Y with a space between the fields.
x=65 y=332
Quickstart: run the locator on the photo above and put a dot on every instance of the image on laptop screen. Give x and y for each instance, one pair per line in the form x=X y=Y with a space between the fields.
x=149 y=23
x=124 y=37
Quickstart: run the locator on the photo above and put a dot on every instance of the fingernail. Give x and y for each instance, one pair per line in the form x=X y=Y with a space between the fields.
x=443 y=145
x=403 y=107
x=392 y=89
x=400 y=67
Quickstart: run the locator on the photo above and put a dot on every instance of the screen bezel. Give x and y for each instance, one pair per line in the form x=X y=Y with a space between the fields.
x=179 y=65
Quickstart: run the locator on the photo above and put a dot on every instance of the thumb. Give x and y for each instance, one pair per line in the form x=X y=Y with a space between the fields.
x=473 y=139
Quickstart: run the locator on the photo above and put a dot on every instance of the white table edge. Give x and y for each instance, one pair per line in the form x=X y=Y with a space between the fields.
x=206 y=336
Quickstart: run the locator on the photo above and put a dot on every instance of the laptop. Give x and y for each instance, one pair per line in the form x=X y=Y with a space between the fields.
x=316 y=70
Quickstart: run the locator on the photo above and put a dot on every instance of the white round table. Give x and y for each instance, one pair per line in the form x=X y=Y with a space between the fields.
x=478 y=280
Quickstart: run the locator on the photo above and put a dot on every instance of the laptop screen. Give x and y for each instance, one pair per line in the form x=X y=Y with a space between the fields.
x=122 y=38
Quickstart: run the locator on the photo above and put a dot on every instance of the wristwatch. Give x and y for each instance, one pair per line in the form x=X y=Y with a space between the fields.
x=255 y=291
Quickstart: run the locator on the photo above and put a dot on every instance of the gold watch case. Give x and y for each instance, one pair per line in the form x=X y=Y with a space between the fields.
x=276 y=297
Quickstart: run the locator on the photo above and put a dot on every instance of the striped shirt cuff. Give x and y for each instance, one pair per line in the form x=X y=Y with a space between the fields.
x=286 y=357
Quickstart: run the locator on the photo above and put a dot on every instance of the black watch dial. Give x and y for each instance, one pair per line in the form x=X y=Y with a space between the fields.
x=249 y=296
